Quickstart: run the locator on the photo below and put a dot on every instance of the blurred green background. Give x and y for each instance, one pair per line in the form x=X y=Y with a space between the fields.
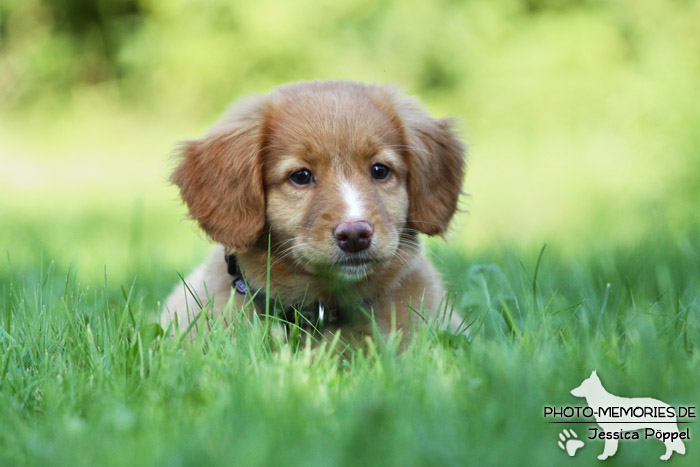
x=583 y=117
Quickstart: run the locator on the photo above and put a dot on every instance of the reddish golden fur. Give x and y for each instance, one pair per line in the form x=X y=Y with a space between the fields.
x=235 y=182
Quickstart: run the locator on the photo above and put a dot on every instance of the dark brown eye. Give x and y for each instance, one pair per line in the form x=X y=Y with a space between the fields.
x=302 y=177
x=380 y=171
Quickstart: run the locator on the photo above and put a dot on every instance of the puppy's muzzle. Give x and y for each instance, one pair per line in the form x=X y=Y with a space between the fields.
x=353 y=237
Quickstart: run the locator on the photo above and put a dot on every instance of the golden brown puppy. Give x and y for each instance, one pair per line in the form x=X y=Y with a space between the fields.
x=335 y=179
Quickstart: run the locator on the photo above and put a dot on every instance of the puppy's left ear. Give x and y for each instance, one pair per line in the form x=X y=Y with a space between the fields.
x=436 y=166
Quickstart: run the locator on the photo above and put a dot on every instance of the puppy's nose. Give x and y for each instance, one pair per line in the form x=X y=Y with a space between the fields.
x=353 y=236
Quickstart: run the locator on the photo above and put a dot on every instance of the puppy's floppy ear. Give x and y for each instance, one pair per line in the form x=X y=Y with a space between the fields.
x=221 y=180
x=436 y=165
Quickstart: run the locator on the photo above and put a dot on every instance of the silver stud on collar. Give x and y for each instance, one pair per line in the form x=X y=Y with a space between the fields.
x=321 y=316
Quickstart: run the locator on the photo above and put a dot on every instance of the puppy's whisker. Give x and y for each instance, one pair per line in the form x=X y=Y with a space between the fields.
x=279 y=246
x=402 y=257
x=286 y=251
x=289 y=251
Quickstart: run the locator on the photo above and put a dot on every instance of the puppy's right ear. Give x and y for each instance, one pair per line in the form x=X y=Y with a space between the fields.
x=221 y=180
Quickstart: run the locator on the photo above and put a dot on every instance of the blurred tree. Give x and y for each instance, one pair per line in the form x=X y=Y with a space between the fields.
x=538 y=6
x=97 y=27
x=47 y=47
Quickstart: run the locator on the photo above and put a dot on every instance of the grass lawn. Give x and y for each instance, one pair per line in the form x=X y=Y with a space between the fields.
x=85 y=381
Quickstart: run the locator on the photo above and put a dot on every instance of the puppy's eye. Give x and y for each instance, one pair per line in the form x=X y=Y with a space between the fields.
x=302 y=177
x=380 y=171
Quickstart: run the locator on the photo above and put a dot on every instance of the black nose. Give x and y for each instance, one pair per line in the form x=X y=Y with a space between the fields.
x=353 y=236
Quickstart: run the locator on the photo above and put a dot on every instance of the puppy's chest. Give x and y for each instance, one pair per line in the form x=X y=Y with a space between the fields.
x=309 y=299
x=315 y=298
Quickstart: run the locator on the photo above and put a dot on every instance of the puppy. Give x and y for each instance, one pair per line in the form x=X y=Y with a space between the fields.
x=335 y=180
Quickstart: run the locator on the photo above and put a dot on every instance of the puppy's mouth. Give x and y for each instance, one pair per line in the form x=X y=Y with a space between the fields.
x=354 y=262
x=353 y=268
x=337 y=265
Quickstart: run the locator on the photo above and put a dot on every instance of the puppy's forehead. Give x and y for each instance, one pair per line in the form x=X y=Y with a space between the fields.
x=332 y=122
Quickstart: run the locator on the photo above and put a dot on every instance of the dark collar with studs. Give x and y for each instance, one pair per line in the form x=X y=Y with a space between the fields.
x=316 y=314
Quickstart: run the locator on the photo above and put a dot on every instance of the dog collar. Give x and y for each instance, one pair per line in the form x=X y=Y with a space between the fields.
x=316 y=314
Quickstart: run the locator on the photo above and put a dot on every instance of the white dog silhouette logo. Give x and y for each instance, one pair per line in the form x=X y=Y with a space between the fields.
x=617 y=415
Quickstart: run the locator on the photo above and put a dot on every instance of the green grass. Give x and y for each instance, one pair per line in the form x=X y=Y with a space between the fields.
x=86 y=381
x=583 y=125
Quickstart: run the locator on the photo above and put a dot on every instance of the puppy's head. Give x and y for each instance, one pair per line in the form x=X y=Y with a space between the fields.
x=340 y=174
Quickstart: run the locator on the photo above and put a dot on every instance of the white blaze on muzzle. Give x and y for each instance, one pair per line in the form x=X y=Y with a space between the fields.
x=354 y=208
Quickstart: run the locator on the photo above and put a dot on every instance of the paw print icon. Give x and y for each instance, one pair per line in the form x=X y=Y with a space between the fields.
x=569 y=442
